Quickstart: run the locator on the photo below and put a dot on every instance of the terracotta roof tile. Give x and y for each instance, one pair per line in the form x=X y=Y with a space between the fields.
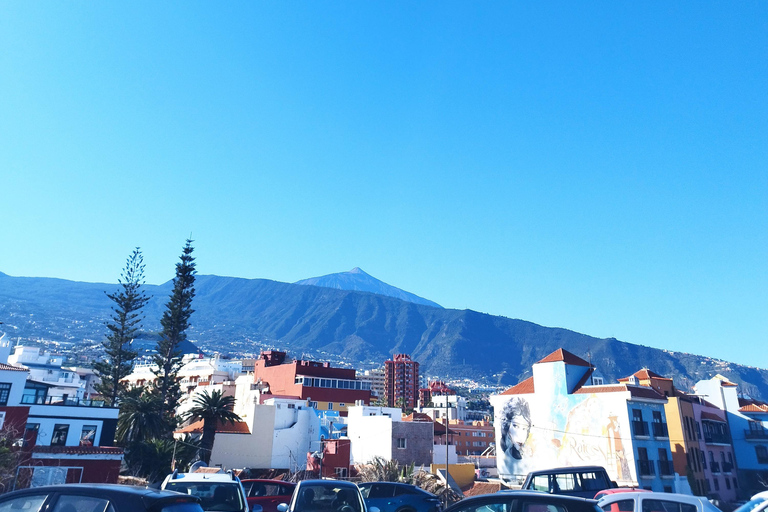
x=79 y=450
x=634 y=391
x=12 y=368
x=480 y=488
x=754 y=407
x=238 y=427
x=523 y=388
x=645 y=374
x=566 y=357
x=607 y=388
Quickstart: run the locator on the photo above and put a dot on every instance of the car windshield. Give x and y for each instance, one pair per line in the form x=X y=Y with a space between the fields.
x=215 y=496
x=751 y=505
x=327 y=498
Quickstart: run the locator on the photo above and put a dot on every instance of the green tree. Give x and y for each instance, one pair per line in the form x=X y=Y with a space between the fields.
x=126 y=322
x=153 y=459
x=213 y=409
x=174 y=322
x=140 y=417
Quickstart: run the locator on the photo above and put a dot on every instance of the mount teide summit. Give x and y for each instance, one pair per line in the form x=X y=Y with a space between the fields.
x=357 y=280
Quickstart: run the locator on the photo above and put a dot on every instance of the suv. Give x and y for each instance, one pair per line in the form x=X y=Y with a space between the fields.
x=104 y=497
x=582 y=481
x=221 y=492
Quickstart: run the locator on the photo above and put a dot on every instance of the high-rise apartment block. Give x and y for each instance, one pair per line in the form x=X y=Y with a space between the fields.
x=401 y=381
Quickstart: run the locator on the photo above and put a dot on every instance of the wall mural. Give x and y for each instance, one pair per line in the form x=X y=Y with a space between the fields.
x=570 y=430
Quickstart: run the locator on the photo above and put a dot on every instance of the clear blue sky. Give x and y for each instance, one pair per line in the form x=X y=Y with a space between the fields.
x=601 y=167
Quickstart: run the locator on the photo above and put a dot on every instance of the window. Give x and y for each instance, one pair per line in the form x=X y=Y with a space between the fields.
x=5 y=391
x=330 y=406
x=490 y=505
x=88 y=435
x=401 y=443
x=637 y=415
x=620 y=506
x=25 y=503
x=667 y=506
x=67 y=503
x=717 y=483
x=313 y=405
x=540 y=506
x=762 y=454
x=59 y=437
x=340 y=472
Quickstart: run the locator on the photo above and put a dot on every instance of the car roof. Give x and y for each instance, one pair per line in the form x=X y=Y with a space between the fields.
x=329 y=483
x=202 y=477
x=567 y=469
x=648 y=495
x=538 y=494
x=763 y=494
x=106 y=490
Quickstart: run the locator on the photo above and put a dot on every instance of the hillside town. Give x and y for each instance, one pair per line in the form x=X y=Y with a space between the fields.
x=302 y=417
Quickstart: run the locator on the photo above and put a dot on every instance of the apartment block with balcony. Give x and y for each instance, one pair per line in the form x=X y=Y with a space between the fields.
x=401 y=381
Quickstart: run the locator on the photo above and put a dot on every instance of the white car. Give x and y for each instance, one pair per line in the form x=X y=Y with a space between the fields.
x=758 y=503
x=218 y=492
x=655 y=502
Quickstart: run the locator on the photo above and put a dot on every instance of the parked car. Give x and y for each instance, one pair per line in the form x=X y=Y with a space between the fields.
x=267 y=493
x=326 y=496
x=220 y=492
x=655 y=502
x=102 y=497
x=524 y=501
x=397 y=497
x=758 y=503
x=583 y=481
x=617 y=490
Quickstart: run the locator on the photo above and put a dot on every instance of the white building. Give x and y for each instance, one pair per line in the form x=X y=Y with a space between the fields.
x=381 y=432
x=45 y=370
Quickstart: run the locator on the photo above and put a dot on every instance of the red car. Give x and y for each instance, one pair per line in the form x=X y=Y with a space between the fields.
x=267 y=493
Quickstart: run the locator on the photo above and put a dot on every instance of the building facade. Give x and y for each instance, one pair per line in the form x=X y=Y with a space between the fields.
x=401 y=381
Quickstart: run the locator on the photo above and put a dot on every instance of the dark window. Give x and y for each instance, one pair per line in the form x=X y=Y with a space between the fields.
x=59 y=437
x=762 y=454
x=67 y=503
x=88 y=435
x=34 y=502
x=5 y=391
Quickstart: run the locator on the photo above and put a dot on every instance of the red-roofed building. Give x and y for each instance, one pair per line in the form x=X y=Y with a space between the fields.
x=564 y=415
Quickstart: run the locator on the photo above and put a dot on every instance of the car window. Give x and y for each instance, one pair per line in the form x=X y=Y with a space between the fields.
x=567 y=482
x=540 y=506
x=72 y=503
x=327 y=498
x=484 y=506
x=540 y=483
x=31 y=503
x=381 y=491
x=221 y=496
x=619 y=506
x=591 y=481
x=667 y=506
x=402 y=489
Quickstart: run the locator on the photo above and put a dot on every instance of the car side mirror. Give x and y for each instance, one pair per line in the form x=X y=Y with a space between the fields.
x=257 y=508
x=283 y=507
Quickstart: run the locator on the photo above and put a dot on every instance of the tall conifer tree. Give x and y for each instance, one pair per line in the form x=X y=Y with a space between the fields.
x=128 y=300
x=174 y=322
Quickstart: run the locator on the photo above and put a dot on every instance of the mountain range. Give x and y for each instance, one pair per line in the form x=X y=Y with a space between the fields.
x=348 y=327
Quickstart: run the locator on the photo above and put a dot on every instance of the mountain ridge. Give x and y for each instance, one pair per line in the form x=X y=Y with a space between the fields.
x=358 y=329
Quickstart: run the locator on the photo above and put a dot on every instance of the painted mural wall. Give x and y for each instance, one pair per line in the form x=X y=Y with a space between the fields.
x=535 y=432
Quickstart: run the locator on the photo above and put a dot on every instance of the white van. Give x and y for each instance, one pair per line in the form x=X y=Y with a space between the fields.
x=655 y=502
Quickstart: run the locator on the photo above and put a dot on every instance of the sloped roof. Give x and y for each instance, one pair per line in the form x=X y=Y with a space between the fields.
x=749 y=405
x=238 y=427
x=645 y=374
x=563 y=355
x=711 y=416
x=634 y=391
x=523 y=388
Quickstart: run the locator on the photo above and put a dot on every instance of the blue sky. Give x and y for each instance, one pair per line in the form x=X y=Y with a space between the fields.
x=600 y=167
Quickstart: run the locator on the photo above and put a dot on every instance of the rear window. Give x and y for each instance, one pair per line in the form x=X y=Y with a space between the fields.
x=70 y=503
x=221 y=496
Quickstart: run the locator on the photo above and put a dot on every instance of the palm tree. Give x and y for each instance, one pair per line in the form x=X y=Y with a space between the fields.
x=213 y=408
x=140 y=419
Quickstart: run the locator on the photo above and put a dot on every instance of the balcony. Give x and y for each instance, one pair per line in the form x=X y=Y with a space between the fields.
x=666 y=468
x=758 y=434
x=660 y=430
x=645 y=468
x=727 y=467
x=60 y=400
x=640 y=428
x=716 y=438
x=714 y=466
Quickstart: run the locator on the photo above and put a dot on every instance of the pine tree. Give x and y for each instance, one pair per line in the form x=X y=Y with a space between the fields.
x=174 y=322
x=126 y=322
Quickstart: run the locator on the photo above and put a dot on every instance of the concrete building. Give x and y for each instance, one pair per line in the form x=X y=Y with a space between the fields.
x=558 y=417
x=381 y=432
x=47 y=373
x=327 y=388
x=401 y=381
x=376 y=380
